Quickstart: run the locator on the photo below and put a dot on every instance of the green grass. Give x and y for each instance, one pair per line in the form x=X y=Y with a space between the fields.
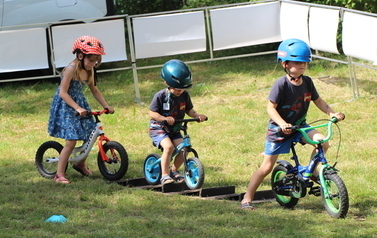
x=233 y=94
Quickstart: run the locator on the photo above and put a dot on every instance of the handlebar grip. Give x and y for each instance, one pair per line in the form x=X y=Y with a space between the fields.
x=293 y=127
x=165 y=123
x=279 y=129
x=190 y=119
x=335 y=120
x=88 y=115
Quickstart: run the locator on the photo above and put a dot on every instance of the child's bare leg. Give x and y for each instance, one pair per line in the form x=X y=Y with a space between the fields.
x=168 y=149
x=258 y=176
x=316 y=136
x=178 y=161
x=64 y=156
x=63 y=160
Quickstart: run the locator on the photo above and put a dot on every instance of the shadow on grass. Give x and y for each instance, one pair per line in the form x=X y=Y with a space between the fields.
x=92 y=205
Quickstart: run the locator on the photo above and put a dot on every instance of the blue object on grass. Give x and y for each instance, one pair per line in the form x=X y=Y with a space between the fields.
x=57 y=218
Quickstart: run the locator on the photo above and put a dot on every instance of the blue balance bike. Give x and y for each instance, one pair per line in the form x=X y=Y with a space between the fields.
x=193 y=167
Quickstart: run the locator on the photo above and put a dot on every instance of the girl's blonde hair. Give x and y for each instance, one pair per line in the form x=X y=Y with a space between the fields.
x=78 y=67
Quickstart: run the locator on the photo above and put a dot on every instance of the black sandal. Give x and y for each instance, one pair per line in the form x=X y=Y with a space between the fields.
x=177 y=176
x=166 y=179
x=78 y=169
x=247 y=206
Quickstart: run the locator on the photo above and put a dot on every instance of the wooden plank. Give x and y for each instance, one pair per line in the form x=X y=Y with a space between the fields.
x=262 y=195
x=210 y=192
x=136 y=182
x=225 y=192
x=174 y=187
x=193 y=193
x=232 y=197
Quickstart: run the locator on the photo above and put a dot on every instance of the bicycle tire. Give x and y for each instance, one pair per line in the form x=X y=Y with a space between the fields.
x=116 y=167
x=49 y=149
x=338 y=203
x=192 y=150
x=194 y=173
x=285 y=201
x=152 y=175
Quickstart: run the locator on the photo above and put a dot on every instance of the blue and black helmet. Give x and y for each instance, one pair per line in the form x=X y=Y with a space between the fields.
x=176 y=74
x=294 y=50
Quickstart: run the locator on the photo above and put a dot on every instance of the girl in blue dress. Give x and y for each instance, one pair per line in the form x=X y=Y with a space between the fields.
x=69 y=100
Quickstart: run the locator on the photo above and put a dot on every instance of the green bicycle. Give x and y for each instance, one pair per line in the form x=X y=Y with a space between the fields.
x=290 y=183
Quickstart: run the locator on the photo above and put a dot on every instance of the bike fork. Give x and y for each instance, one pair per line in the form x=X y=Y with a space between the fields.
x=323 y=181
x=101 y=141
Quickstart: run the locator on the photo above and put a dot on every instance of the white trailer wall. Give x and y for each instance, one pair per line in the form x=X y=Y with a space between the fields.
x=23 y=50
x=110 y=33
x=235 y=27
x=169 y=34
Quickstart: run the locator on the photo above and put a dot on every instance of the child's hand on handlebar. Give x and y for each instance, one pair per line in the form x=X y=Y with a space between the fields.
x=285 y=130
x=170 y=120
x=110 y=109
x=81 y=111
x=202 y=117
x=340 y=116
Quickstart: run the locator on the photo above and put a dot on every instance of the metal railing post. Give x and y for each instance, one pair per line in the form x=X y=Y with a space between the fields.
x=133 y=60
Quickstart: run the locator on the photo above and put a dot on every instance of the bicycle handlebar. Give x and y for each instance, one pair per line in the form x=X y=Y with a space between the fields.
x=189 y=120
x=90 y=113
x=183 y=120
x=305 y=135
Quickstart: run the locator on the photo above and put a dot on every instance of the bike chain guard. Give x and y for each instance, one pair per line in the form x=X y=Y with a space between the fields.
x=292 y=186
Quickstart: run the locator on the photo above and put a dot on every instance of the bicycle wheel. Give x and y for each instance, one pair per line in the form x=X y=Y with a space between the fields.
x=152 y=173
x=117 y=164
x=337 y=203
x=194 y=173
x=279 y=173
x=46 y=158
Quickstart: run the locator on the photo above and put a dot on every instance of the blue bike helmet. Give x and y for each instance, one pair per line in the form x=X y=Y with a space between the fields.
x=176 y=74
x=294 y=50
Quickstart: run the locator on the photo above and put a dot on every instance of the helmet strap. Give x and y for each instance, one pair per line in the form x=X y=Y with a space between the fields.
x=290 y=76
x=295 y=79
x=82 y=62
x=170 y=94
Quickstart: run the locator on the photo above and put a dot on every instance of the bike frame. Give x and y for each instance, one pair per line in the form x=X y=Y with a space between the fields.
x=181 y=147
x=186 y=143
x=307 y=171
x=81 y=152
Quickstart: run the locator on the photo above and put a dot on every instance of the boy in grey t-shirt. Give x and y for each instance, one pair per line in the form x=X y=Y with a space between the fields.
x=288 y=104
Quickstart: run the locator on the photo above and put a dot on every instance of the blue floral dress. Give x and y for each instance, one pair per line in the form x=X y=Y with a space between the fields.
x=63 y=122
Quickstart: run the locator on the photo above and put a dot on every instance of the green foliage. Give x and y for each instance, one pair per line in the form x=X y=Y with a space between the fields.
x=362 y=5
x=133 y=7
x=207 y=3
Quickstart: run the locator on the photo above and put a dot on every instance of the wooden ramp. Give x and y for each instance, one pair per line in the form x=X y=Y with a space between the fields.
x=225 y=192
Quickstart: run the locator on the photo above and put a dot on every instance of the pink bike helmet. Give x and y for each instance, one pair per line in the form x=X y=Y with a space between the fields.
x=88 y=45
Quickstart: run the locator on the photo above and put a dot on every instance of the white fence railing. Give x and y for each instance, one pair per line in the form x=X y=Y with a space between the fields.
x=208 y=29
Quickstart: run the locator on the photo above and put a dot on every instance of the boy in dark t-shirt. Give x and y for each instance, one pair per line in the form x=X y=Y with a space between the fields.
x=168 y=105
x=288 y=104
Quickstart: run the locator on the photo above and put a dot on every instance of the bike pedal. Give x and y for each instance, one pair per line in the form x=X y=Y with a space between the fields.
x=316 y=191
